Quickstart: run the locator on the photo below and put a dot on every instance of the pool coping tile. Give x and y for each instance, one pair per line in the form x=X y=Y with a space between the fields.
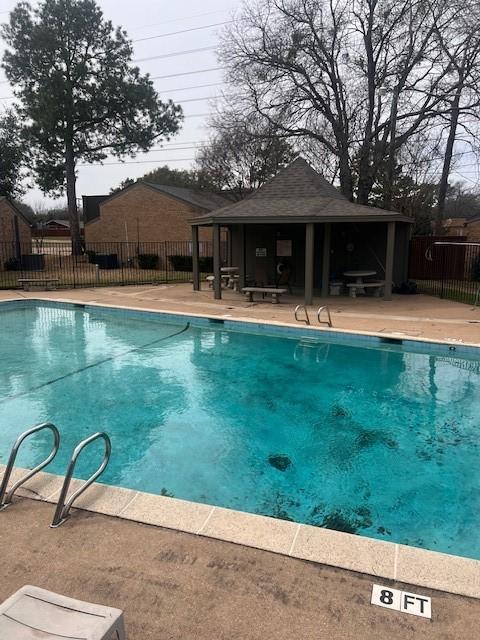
x=345 y=550
x=439 y=571
x=99 y=498
x=378 y=558
x=170 y=513
x=250 y=530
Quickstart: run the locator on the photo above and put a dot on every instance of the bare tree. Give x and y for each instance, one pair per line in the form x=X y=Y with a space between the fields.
x=241 y=156
x=357 y=77
x=461 y=46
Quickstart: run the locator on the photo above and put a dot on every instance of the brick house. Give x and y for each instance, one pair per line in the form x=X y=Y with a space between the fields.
x=473 y=229
x=465 y=227
x=145 y=212
x=15 y=232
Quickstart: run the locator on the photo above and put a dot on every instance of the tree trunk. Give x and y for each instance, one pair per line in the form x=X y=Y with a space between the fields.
x=345 y=175
x=365 y=178
x=365 y=183
x=390 y=177
x=447 y=160
x=77 y=244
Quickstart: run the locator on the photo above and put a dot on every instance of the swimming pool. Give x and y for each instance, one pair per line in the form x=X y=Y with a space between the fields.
x=349 y=433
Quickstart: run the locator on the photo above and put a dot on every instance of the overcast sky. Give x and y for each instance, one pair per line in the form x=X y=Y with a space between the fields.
x=144 y=19
x=149 y=19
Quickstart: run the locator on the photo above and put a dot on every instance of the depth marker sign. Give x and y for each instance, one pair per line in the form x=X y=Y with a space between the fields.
x=402 y=601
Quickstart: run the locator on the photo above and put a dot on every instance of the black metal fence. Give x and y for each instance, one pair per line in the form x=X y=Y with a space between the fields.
x=446 y=267
x=102 y=263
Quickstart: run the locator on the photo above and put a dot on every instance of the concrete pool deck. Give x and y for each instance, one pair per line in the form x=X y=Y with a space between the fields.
x=383 y=559
x=418 y=316
x=175 y=585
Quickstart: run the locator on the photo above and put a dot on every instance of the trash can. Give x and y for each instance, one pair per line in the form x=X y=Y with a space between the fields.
x=33 y=262
x=107 y=260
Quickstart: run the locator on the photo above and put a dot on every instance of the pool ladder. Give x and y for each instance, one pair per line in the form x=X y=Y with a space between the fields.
x=306 y=319
x=64 y=505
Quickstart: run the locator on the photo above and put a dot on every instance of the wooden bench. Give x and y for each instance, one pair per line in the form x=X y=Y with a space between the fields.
x=359 y=287
x=275 y=293
x=48 y=283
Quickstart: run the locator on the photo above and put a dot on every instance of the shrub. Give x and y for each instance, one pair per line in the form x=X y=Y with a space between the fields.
x=185 y=263
x=12 y=264
x=147 y=260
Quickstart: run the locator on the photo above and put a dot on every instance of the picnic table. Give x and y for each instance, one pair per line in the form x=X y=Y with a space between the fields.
x=231 y=275
x=359 y=275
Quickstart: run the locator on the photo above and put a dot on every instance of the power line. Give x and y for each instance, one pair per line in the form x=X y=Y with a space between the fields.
x=172 y=75
x=185 y=73
x=160 y=24
x=197 y=115
x=185 y=142
x=108 y=164
x=176 y=33
x=197 y=99
x=198 y=86
x=167 y=91
x=175 y=148
x=173 y=54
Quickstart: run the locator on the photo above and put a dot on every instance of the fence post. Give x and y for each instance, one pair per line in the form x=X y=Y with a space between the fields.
x=166 y=260
x=74 y=259
x=444 y=259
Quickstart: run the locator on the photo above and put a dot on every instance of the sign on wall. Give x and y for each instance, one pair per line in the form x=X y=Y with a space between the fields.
x=284 y=248
x=261 y=252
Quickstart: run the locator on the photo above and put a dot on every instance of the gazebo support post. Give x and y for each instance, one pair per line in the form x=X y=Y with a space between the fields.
x=195 y=260
x=217 y=285
x=242 y=270
x=389 y=260
x=309 y=249
x=327 y=234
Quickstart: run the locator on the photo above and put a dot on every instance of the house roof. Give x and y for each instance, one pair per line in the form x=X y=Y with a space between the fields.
x=203 y=199
x=63 y=223
x=455 y=222
x=16 y=210
x=297 y=194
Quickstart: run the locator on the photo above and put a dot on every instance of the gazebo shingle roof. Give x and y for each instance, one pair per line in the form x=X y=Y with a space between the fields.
x=296 y=194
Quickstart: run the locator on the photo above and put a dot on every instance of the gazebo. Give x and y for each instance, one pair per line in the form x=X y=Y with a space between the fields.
x=300 y=222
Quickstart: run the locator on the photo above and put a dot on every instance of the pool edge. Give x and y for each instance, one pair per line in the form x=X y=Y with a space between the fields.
x=377 y=558
x=375 y=337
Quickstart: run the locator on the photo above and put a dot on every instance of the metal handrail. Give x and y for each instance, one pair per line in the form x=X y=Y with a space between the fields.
x=297 y=309
x=63 y=506
x=319 y=313
x=6 y=498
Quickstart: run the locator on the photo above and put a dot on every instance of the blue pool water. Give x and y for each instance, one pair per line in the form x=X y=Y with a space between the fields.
x=376 y=439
